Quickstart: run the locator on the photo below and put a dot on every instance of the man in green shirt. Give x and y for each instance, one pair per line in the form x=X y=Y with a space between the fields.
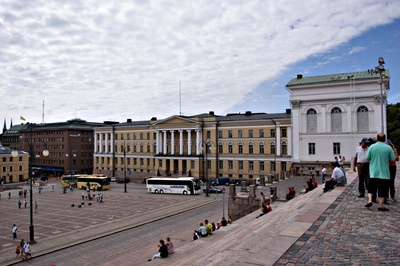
x=379 y=155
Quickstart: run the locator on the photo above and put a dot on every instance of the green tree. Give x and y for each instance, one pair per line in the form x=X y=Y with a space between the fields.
x=393 y=118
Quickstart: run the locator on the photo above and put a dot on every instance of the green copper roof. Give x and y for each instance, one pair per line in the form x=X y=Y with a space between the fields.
x=341 y=77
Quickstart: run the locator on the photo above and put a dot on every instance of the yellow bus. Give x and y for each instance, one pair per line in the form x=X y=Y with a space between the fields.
x=99 y=182
x=67 y=180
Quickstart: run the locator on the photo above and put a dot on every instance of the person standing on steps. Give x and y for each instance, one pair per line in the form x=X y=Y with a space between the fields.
x=379 y=155
x=361 y=165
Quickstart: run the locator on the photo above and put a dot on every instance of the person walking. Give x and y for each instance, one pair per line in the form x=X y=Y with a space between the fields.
x=361 y=165
x=323 y=171
x=14 y=231
x=36 y=207
x=25 y=203
x=379 y=156
x=27 y=251
x=392 y=169
x=19 y=204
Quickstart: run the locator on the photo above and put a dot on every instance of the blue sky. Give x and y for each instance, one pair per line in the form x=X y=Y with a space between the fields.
x=112 y=60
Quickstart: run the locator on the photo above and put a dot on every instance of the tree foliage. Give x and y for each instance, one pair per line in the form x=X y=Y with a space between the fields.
x=393 y=118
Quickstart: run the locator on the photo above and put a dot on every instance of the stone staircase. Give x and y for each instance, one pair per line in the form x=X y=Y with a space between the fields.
x=262 y=241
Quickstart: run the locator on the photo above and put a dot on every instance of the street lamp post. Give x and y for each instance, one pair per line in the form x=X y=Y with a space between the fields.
x=207 y=146
x=223 y=203
x=380 y=69
x=125 y=191
x=15 y=153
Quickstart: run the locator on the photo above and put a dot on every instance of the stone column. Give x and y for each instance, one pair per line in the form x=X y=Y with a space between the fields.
x=106 y=142
x=172 y=142
x=198 y=141
x=101 y=143
x=180 y=142
x=95 y=142
x=157 y=142
x=189 y=141
x=165 y=142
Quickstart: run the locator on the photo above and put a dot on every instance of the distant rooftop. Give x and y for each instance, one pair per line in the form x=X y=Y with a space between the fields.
x=364 y=75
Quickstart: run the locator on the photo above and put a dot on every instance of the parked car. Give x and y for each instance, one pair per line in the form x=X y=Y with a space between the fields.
x=113 y=179
x=121 y=180
x=212 y=190
x=220 y=181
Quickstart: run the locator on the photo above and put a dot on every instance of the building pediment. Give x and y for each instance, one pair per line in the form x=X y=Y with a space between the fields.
x=175 y=120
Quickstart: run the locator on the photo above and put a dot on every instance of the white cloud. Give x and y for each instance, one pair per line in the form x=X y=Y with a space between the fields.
x=124 y=59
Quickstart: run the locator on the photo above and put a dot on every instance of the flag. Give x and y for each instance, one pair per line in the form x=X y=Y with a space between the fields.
x=21 y=118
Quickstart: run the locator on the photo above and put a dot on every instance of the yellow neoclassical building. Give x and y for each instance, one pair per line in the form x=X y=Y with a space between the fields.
x=206 y=146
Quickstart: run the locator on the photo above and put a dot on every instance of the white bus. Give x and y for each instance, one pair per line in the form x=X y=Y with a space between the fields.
x=180 y=185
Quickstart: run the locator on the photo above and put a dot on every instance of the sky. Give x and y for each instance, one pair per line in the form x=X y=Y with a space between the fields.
x=102 y=60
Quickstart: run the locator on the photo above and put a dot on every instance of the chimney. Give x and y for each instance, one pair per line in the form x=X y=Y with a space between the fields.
x=211 y=113
x=288 y=111
x=247 y=113
x=129 y=120
x=299 y=76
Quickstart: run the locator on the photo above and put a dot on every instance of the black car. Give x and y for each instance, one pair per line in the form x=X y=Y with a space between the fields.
x=121 y=180
x=212 y=190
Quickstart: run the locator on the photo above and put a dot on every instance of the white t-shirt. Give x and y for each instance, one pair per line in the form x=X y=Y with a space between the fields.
x=361 y=154
x=324 y=171
x=338 y=174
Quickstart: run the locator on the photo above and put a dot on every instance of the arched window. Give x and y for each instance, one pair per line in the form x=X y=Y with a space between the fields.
x=362 y=119
x=336 y=120
x=311 y=121
x=240 y=145
x=284 y=148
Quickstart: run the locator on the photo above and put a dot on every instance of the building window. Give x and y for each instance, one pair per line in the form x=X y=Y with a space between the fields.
x=240 y=165
x=230 y=134
x=250 y=133
x=141 y=147
x=134 y=161
x=272 y=133
x=221 y=164
x=284 y=148
x=148 y=136
x=251 y=147
x=311 y=148
x=362 y=119
x=336 y=148
x=262 y=167
x=134 y=136
x=148 y=147
x=261 y=147
x=240 y=148
x=273 y=148
x=336 y=122
x=134 y=148
x=220 y=148
x=192 y=164
x=220 y=134
x=208 y=134
x=141 y=136
x=240 y=134
x=273 y=167
x=160 y=163
x=251 y=166
x=311 y=121
x=230 y=165
x=261 y=133
x=141 y=162
x=284 y=133
x=283 y=165
x=230 y=148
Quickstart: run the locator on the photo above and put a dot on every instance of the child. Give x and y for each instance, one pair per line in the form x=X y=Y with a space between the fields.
x=170 y=246
x=17 y=251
